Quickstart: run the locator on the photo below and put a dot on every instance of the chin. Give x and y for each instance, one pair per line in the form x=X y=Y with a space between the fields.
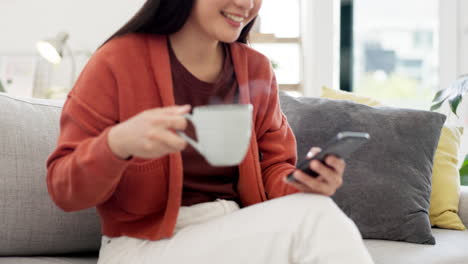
x=229 y=39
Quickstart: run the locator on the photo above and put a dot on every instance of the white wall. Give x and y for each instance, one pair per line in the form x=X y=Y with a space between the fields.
x=463 y=31
x=320 y=44
x=453 y=51
x=453 y=48
x=448 y=42
x=23 y=22
x=89 y=22
x=463 y=66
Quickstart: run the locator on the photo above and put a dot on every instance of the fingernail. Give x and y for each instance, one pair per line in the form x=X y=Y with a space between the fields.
x=309 y=155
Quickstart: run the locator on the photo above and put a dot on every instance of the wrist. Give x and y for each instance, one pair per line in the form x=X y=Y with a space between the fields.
x=117 y=144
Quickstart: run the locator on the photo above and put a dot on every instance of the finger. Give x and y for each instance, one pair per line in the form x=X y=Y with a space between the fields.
x=172 y=141
x=336 y=163
x=313 y=151
x=329 y=175
x=333 y=181
x=314 y=185
x=177 y=123
x=305 y=178
x=176 y=109
x=320 y=168
x=296 y=184
x=174 y=122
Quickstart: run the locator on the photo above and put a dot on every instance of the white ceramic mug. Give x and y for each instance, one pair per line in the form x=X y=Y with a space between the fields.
x=223 y=132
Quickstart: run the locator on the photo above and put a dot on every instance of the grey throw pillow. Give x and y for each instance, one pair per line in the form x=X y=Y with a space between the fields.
x=387 y=183
x=30 y=223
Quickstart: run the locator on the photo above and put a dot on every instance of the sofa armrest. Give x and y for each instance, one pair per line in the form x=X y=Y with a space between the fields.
x=463 y=207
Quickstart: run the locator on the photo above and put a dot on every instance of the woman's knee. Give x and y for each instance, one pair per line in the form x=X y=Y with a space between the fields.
x=308 y=201
x=305 y=205
x=323 y=211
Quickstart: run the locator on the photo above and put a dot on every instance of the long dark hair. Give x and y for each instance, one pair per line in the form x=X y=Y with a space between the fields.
x=165 y=17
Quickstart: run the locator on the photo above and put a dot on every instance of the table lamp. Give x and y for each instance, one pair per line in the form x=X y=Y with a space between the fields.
x=52 y=50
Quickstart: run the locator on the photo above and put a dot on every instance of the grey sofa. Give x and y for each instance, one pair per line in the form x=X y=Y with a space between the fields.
x=34 y=231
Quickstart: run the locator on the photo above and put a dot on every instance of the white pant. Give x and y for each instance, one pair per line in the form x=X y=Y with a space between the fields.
x=300 y=228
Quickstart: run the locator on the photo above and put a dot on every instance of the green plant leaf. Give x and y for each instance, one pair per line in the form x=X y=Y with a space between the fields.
x=464 y=169
x=2 y=89
x=439 y=98
x=437 y=105
x=454 y=102
x=464 y=172
x=454 y=93
x=463 y=87
x=441 y=95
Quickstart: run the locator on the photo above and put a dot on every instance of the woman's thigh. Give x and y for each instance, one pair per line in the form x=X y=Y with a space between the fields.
x=290 y=229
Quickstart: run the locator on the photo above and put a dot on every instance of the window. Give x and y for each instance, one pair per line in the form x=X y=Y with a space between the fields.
x=393 y=49
x=279 y=39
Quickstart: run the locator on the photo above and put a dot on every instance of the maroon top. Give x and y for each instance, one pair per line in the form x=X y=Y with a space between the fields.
x=203 y=182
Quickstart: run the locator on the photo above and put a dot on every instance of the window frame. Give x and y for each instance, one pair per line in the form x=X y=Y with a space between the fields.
x=320 y=21
x=264 y=38
x=256 y=37
x=320 y=38
x=319 y=46
x=453 y=40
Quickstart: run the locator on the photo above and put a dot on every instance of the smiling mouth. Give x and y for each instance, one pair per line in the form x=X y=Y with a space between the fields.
x=234 y=18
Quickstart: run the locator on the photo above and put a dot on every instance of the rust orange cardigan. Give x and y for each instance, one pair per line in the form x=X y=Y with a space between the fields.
x=141 y=197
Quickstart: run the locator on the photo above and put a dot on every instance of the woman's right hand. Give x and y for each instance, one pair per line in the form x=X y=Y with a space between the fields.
x=150 y=134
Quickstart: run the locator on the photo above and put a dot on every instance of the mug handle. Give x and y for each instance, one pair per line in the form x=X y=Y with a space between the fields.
x=192 y=142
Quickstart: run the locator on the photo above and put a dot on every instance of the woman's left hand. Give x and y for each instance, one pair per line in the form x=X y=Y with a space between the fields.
x=330 y=175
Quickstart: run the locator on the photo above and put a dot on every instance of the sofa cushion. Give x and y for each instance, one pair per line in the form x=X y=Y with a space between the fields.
x=450 y=249
x=48 y=260
x=445 y=195
x=30 y=223
x=387 y=183
x=343 y=95
x=463 y=209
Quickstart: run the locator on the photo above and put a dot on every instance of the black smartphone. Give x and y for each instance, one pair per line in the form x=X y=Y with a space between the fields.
x=341 y=146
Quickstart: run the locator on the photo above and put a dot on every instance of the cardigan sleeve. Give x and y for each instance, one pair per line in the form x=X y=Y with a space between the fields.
x=82 y=171
x=277 y=145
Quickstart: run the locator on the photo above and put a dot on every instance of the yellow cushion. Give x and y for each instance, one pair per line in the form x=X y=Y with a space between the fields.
x=343 y=95
x=445 y=195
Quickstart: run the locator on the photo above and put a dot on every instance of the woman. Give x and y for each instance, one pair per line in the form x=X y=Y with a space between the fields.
x=160 y=201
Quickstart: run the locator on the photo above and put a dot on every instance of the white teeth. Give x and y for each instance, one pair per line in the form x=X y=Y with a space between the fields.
x=234 y=18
